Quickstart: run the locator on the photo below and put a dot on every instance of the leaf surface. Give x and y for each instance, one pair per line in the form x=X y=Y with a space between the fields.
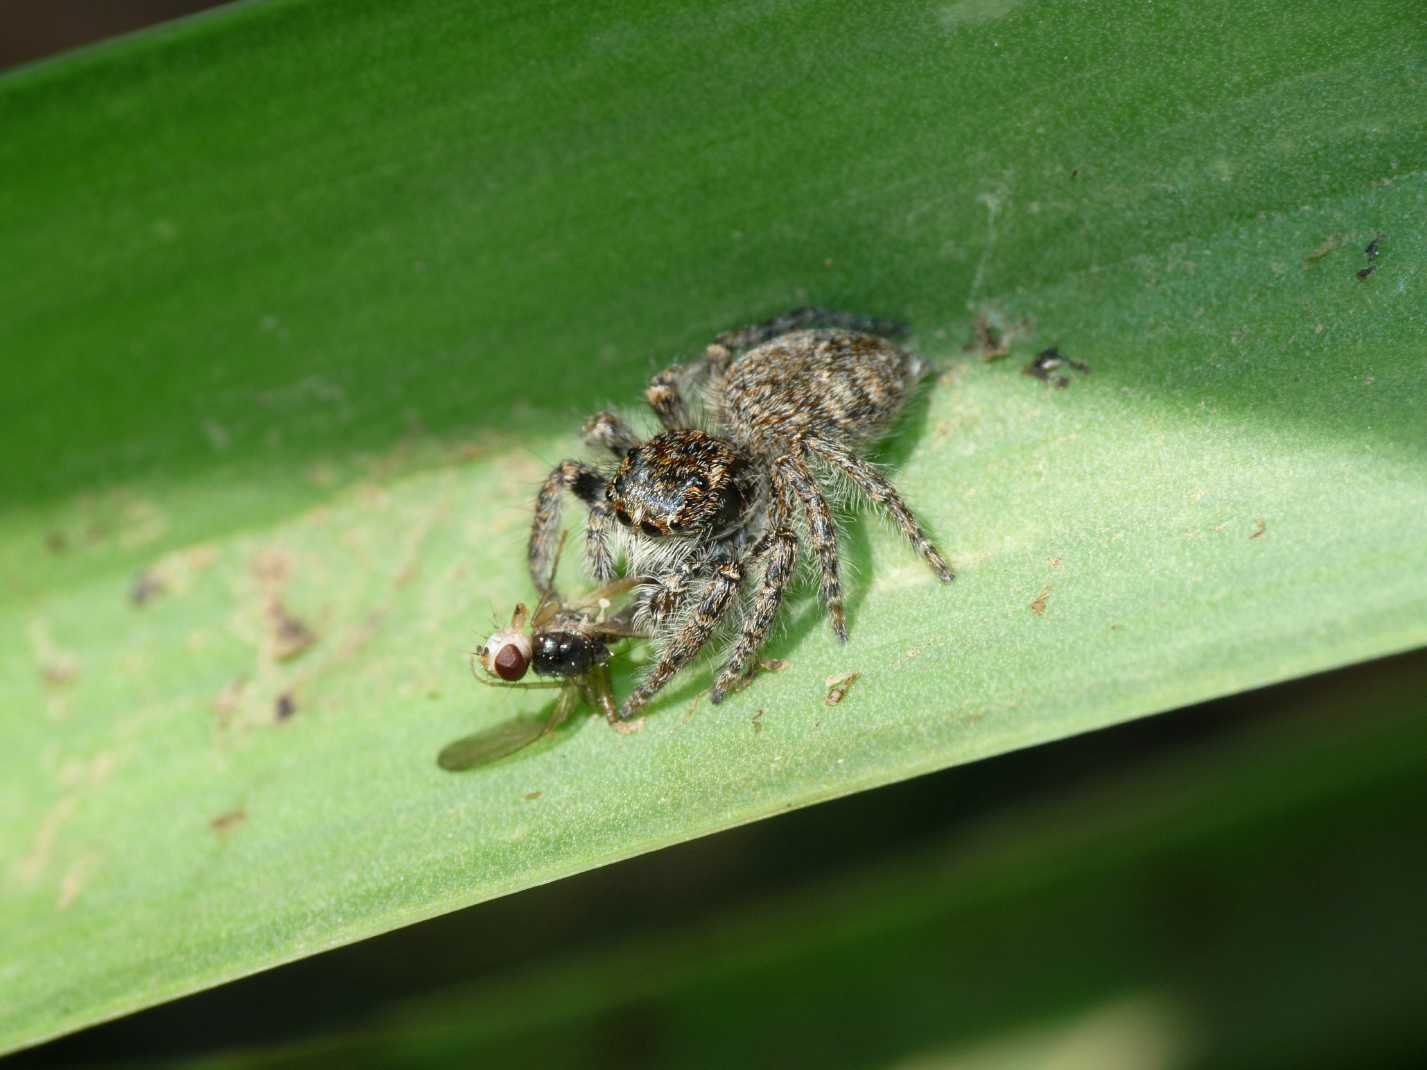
x=303 y=299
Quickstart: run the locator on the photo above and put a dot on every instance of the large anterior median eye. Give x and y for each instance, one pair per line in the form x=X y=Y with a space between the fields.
x=650 y=530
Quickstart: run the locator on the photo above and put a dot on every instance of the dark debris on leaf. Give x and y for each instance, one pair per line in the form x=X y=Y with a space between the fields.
x=1049 y=361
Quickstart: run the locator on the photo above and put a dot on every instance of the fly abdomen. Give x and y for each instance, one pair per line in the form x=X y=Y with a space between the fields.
x=566 y=654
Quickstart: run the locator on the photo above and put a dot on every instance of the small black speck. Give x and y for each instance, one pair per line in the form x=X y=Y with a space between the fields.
x=1365 y=272
x=145 y=589
x=1052 y=360
x=285 y=706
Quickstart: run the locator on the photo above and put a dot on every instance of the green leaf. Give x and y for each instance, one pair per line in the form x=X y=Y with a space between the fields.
x=303 y=298
x=1170 y=916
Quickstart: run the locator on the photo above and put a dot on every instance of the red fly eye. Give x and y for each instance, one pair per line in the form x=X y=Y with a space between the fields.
x=510 y=662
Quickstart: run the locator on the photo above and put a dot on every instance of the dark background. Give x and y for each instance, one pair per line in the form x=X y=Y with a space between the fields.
x=34 y=29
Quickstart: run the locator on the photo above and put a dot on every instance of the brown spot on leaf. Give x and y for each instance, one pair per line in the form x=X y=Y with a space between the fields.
x=758 y=721
x=29 y=868
x=288 y=634
x=531 y=796
x=61 y=672
x=838 y=687
x=1327 y=246
x=285 y=706
x=73 y=881
x=988 y=341
x=1259 y=528
x=224 y=823
x=58 y=668
x=272 y=567
x=226 y=704
x=147 y=586
x=1038 y=606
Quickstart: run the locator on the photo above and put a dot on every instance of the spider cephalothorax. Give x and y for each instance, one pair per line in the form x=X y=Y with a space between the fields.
x=790 y=404
x=680 y=483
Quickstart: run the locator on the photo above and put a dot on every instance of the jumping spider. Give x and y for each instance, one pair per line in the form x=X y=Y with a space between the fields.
x=790 y=403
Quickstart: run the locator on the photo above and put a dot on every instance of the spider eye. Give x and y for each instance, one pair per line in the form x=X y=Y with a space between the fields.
x=650 y=530
x=698 y=483
x=622 y=516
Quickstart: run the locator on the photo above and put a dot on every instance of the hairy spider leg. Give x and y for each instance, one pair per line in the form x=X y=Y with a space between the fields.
x=884 y=495
x=667 y=400
x=718 y=596
x=793 y=472
x=584 y=482
x=609 y=431
x=661 y=597
x=780 y=546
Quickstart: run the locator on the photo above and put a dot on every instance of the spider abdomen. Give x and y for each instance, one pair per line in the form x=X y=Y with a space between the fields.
x=831 y=383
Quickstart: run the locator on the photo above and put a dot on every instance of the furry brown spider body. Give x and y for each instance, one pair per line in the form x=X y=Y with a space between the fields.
x=791 y=404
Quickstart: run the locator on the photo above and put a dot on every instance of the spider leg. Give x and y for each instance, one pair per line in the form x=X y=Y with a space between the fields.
x=718 y=596
x=585 y=482
x=660 y=598
x=598 y=557
x=880 y=489
x=605 y=429
x=793 y=470
x=781 y=549
x=667 y=400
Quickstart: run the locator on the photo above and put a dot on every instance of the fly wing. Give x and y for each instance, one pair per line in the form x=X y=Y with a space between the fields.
x=596 y=615
x=618 y=627
x=490 y=744
x=545 y=609
x=501 y=741
x=609 y=592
